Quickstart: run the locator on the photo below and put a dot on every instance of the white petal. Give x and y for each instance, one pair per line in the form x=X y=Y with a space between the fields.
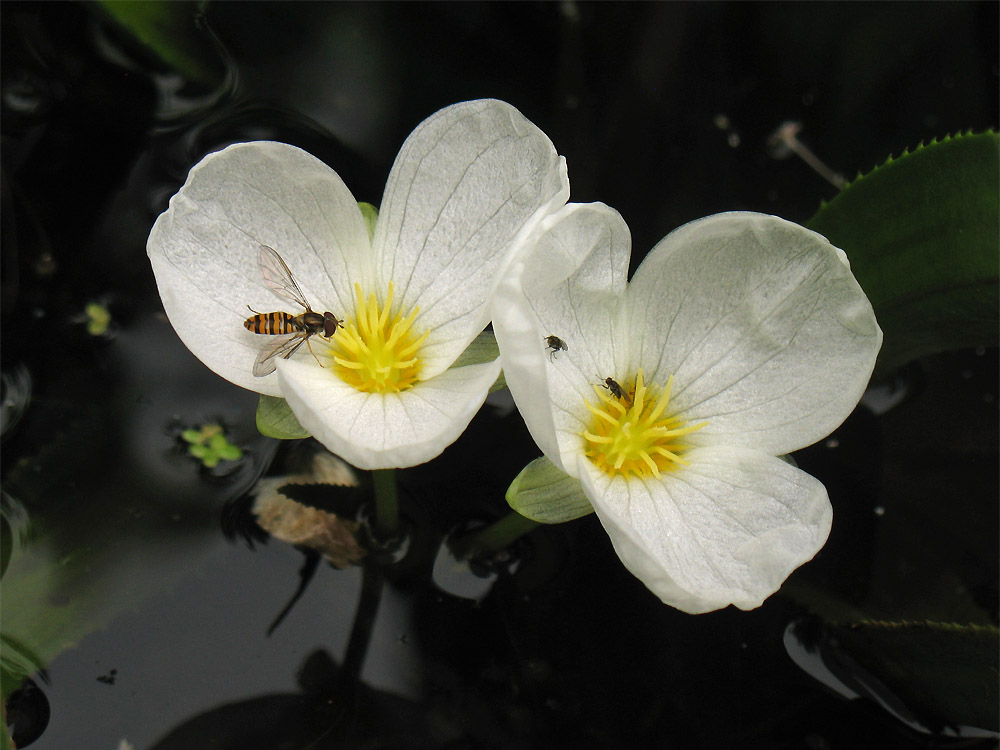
x=768 y=335
x=726 y=530
x=204 y=249
x=467 y=187
x=568 y=286
x=384 y=431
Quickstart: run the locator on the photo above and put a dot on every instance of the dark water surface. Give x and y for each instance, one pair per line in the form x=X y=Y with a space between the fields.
x=139 y=575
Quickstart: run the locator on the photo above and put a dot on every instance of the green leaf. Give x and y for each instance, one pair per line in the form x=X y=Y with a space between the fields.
x=921 y=232
x=370 y=215
x=199 y=451
x=944 y=673
x=482 y=349
x=546 y=494
x=230 y=452
x=192 y=436
x=275 y=419
x=171 y=31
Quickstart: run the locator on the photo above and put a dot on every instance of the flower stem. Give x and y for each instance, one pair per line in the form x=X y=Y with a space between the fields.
x=498 y=535
x=386 y=504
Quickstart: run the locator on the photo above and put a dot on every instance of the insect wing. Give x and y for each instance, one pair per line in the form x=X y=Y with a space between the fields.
x=278 y=278
x=281 y=348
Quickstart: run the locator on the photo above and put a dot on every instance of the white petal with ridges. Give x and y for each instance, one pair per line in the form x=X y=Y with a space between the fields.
x=382 y=431
x=204 y=250
x=728 y=529
x=467 y=188
x=768 y=335
x=569 y=286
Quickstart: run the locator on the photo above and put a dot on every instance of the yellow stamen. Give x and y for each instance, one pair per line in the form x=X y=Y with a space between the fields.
x=376 y=351
x=634 y=438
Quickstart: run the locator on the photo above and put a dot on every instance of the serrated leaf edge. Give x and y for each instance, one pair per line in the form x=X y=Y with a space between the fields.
x=903 y=624
x=907 y=151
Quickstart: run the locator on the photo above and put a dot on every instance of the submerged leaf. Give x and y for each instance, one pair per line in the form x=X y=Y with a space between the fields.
x=921 y=232
x=545 y=493
x=944 y=674
x=170 y=31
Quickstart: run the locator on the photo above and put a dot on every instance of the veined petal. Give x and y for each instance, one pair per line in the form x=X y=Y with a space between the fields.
x=728 y=529
x=465 y=191
x=204 y=250
x=568 y=286
x=768 y=336
x=390 y=430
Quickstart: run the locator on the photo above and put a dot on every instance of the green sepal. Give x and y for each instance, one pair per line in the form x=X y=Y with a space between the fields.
x=370 y=214
x=546 y=494
x=275 y=419
x=482 y=349
x=944 y=673
x=921 y=232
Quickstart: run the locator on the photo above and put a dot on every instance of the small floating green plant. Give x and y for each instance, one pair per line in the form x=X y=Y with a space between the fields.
x=209 y=445
x=98 y=318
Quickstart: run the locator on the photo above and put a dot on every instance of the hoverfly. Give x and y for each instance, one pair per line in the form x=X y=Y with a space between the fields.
x=616 y=390
x=291 y=330
x=555 y=344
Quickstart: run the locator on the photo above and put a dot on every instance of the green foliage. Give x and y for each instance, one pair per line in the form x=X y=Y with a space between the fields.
x=171 y=31
x=921 y=232
x=275 y=419
x=546 y=494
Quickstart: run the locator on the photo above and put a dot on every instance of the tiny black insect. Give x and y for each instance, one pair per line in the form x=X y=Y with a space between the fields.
x=555 y=344
x=616 y=390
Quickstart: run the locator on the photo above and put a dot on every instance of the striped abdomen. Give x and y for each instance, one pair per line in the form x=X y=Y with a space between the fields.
x=273 y=323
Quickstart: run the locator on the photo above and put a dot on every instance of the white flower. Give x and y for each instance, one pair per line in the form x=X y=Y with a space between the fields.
x=741 y=337
x=467 y=188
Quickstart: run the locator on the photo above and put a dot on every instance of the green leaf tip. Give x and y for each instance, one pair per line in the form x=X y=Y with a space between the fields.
x=544 y=493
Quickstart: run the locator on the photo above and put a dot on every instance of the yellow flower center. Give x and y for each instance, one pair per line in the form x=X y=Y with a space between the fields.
x=376 y=351
x=630 y=435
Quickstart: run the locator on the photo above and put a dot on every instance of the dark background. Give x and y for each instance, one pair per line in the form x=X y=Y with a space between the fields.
x=663 y=111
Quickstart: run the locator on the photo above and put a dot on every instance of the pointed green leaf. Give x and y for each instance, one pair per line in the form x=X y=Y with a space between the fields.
x=275 y=419
x=546 y=494
x=921 y=232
